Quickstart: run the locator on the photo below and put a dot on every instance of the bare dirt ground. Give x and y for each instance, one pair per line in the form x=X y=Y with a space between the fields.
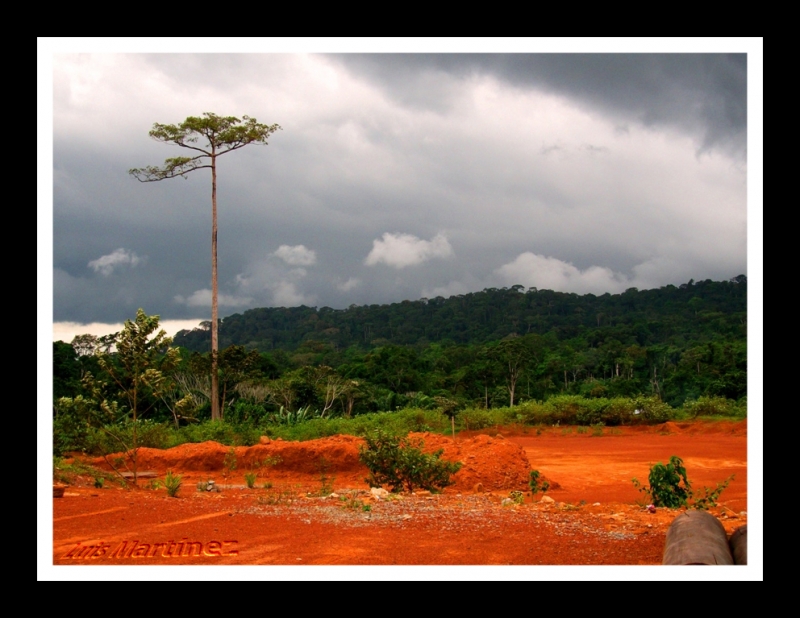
x=591 y=515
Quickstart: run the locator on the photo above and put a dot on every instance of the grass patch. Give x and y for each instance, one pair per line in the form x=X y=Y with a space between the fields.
x=77 y=471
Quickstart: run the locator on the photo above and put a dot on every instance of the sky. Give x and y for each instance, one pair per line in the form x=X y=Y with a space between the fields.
x=394 y=176
x=403 y=169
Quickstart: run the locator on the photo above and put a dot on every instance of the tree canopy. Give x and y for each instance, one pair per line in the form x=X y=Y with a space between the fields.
x=210 y=135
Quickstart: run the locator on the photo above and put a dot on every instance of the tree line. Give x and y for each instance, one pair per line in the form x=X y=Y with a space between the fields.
x=694 y=310
x=675 y=343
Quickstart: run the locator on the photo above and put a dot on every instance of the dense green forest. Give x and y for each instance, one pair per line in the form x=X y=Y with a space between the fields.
x=693 y=310
x=498 y=348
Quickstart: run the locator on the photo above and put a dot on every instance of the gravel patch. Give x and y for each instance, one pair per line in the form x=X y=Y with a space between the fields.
x=451 y=514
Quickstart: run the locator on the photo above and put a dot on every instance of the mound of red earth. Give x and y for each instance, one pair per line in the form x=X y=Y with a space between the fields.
x=491 y=462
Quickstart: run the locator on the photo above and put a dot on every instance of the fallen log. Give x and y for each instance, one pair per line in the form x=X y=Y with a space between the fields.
x=144 y=474
x=738 y=543
x=696 y=537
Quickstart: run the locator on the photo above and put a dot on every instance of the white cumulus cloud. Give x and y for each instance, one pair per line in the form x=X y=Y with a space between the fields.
x=106 y=264
x=549 y=273
x=202 y=298
x=453 y=288
x=298 y=255
x=286 y=294
x=401 y=250
x=351 y=283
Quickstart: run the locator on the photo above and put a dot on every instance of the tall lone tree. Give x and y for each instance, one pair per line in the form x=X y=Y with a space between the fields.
x=209 y=136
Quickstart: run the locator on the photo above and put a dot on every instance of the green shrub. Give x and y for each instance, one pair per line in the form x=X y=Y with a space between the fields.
x=532 y=413
x=564 y=409
x=418 y=419
x=710 y=406
x=250 y=479
x=592 y=411
x=669 y=487
x=70 y=426
x=172 y=483
x=396 y=462
x=69 y=473
x=710 y=496
x=243 y=434
x=620 y=411
x=537 y=483
x=289 y=418
x=476 y=418
x=244 y=412
x=111 y=438
x=230 y=462
x=651 y=410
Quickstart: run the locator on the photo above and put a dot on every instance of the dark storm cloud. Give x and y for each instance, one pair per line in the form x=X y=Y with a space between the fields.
x=705 y=94
x=402 y=175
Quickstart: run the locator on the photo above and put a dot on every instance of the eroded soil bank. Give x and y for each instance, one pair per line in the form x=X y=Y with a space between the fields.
x=590 y=516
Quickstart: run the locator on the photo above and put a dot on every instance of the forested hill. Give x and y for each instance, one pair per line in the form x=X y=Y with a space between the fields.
x=695 y=311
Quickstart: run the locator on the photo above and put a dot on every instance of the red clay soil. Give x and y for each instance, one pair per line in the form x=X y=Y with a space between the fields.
x=592 y=514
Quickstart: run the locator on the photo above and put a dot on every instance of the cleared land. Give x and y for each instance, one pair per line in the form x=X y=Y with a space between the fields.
x=594 y=518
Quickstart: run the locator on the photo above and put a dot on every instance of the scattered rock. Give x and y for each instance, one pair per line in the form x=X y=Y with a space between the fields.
x=264 y=440
x=595 y=504
x=547 y=500
x=478 y=489
x=379 y=493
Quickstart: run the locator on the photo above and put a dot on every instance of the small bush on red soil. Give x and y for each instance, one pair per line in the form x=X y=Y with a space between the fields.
x=670 y=487
x=173 y=483
x=396 y=462
x=537 y=484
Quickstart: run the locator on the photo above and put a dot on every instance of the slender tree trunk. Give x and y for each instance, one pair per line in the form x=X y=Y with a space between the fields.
x=135 y=442
x=215 y=412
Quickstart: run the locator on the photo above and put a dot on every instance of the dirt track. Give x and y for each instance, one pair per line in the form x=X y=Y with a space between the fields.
x=594 y=518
